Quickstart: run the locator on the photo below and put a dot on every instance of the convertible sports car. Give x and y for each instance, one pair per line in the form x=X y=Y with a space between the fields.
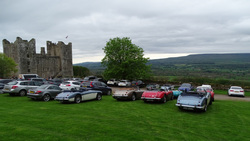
x=157 y=95
x=194 y=100
x=78 y=95
x=131 y=94
x=176 y=93
x=208 y=89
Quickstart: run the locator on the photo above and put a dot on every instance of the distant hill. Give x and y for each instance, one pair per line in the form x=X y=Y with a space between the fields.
x=190 y=59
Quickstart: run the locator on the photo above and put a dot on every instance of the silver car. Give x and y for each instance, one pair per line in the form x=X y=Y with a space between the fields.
x=20 y=87
x=44 y=92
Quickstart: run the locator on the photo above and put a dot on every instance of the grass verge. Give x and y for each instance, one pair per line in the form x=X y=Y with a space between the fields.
x=108 y=119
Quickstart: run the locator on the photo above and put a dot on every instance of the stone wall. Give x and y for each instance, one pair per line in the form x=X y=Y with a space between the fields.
x=56 y=63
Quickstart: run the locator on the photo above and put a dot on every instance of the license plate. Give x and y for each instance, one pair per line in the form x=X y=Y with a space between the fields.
x=84 y=86
x=32 y=92
x=236 y=91
x=6 y=89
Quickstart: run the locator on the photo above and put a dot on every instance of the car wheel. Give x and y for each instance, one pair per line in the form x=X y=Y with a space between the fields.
x=172 y=98
x=109 y=93
x=205 y=108
x=99 y=96
x=22 y=93
x=164 y=99
x=133 y=98
x=210 y=102
x=78 y=99
x=46 y=97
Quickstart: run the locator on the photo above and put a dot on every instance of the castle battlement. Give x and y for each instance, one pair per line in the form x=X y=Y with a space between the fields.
x=56 y=63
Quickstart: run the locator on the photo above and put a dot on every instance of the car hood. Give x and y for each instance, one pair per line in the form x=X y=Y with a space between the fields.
x=189 y=100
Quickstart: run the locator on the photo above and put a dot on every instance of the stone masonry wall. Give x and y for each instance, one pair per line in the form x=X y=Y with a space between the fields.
x=56 y=63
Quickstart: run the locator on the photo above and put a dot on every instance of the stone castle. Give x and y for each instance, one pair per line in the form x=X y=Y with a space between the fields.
x=56 y=63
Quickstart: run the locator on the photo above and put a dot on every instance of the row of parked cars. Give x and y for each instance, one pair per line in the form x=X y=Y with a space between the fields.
x=188 y=97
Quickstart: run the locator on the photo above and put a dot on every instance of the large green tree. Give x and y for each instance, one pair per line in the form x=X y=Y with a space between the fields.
x=7 y=66
x=80 y=71
x=124 y=60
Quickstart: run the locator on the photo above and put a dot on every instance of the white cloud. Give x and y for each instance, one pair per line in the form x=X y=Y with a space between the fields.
x=160 y=27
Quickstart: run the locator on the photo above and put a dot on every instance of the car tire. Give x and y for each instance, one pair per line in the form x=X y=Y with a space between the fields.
x=164 y=99
x=172 y=98
x=98 y=96
x=77 y=99
x=133 y=97
x=109 y=92
x=205 y=108
x=22 y=93
x=210 y=102
x=46 y=97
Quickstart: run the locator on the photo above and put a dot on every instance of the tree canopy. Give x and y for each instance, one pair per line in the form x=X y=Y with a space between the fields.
x=7 y=66
x=80 y=71
x=124 y=60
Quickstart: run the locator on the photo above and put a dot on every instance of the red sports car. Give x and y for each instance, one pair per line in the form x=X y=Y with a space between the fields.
x=208 y=89
x=162 y=95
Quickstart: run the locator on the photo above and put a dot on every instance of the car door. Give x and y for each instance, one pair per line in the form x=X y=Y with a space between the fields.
x=103 y=88
x=31 y=85
x=54 y=90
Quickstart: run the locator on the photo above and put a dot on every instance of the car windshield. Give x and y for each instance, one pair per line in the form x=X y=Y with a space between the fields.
x=12 y=83
x=185 y=85
x=236 y=88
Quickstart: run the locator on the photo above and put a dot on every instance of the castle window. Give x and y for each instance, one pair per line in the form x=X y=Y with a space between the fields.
x=28 y=56
x=28 y=63
x=28 y=70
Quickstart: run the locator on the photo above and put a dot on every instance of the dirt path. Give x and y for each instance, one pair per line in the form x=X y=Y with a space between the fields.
x=226 y=97
x=217 y=96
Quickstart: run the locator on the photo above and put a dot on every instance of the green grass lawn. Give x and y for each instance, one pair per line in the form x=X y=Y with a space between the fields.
x=108 y=119
x=224 y=92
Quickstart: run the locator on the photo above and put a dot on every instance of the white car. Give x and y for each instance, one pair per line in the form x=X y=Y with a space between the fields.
x=124 y=83
x=70 y=85
x=113 y=82
x=236 y=90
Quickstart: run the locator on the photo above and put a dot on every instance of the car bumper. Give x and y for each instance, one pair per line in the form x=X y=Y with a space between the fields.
x=150 y=99
x=232 y=93
x=34 y=96
x=190 y=107
x=10 y=91
x=66 y=99
x=120 y=96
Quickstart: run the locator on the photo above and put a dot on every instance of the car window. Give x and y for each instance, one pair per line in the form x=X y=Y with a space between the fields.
x=103 y=84
x=31 y=83
x=76 y=83
x=24 y=83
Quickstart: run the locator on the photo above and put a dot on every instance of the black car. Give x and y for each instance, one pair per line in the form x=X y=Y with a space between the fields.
x=97 y=85
x=138 y=83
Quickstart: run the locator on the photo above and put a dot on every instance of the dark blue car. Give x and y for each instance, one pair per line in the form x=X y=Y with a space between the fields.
x=97 y=85
x=185 y=87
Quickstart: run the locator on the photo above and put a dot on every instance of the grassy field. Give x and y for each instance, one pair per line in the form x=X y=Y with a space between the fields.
x=108 y=119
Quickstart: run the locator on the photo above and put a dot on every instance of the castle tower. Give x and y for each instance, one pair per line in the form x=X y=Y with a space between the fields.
x=57 y=61
x=22 y=52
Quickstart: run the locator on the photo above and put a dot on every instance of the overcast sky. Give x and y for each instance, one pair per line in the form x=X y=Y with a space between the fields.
x=163 y=28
